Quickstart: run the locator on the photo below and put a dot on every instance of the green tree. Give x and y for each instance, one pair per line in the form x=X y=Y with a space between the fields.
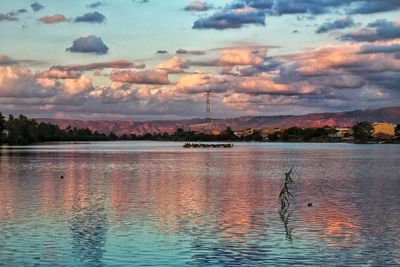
x=362 y=132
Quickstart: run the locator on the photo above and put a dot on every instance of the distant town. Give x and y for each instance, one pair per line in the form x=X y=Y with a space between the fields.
x=23 y=131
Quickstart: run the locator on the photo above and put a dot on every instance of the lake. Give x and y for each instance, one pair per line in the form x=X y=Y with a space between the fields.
x=158 y=204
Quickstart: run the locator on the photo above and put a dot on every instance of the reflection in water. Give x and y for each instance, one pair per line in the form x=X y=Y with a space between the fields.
x=84 y=200
x=89 y=228
x=285 y=218
x=162 y=205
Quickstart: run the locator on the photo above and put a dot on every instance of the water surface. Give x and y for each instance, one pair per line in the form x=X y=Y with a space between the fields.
x=157 y=204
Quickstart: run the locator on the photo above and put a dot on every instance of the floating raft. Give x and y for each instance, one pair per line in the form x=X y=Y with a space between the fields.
x=197 y=145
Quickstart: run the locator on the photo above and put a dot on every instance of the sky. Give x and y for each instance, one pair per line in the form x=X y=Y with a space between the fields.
x=156 y=59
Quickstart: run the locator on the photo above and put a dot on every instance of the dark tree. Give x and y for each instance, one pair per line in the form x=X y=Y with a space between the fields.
x=293 y=132
x=2 y=127
x=308 y=134
x=362 y=132
x=276 y=136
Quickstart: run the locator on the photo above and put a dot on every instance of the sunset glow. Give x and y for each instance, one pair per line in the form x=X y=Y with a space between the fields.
x=112 y=59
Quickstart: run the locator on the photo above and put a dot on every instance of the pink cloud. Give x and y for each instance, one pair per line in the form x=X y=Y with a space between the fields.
x=55 y=73
x=78 y=86
x=140 y=77
x=56 y=18
x=116 y=64
x=19 y=82
x=242 y=56
x=174 y=65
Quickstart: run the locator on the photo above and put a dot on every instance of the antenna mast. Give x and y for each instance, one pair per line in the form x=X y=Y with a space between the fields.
x=208 y=107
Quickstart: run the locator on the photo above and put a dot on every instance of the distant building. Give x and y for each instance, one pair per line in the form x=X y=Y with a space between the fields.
x=342 y=132
x=248 y=131
x=383 y=130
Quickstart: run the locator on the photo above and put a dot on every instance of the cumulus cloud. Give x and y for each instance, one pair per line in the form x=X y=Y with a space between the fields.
x=334 y=77
x=198 y=6
x=194 y=82
x=116 y=64
x=256 y=85
x=269 y=65
x=37 y=7
x=190 y=52
x=259 y=104
x=380 y=48
x=242 y=56
x=245 y=12
x=56 y=18
x=374 y=6
x=94 y=17
x=342 y=81
x=174 y=65
x=55 y=73
x=117 y=94
x=140 y=77
x=199 y=83
x=19 y=82
x=88 y=44
x=316 y=7
x=346 y=67
x=336 y=25
x=375 y=31
x=78 y=85
x=231 y=18
x=297 y=7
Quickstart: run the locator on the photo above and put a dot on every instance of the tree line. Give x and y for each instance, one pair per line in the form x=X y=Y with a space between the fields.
x=23 y=131
x=362 y=132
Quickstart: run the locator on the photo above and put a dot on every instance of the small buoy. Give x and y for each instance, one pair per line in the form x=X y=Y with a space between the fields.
x=310 y=204
x=62 y=177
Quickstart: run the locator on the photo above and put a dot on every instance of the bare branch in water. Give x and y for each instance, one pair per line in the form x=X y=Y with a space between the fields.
x=284 y=199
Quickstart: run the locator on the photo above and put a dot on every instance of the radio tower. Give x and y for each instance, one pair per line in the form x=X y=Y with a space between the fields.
x=208 y=107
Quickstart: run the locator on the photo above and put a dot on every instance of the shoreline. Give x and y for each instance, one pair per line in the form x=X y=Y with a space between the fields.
x=197 y=142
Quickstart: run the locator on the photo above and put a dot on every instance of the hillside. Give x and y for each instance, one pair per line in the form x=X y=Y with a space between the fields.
x=343 y=119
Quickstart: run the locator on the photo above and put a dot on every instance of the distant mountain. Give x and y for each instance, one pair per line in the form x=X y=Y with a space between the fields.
x=343 y=119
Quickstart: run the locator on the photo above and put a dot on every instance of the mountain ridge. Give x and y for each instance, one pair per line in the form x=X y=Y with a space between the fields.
x=341 y=119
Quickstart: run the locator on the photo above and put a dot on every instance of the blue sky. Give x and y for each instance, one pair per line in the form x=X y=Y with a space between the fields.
x=258 y=57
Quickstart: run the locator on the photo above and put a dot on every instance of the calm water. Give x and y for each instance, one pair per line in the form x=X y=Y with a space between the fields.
x=157 y=204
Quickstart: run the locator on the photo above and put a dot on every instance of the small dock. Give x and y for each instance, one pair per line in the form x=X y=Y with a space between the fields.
x=198 y=145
